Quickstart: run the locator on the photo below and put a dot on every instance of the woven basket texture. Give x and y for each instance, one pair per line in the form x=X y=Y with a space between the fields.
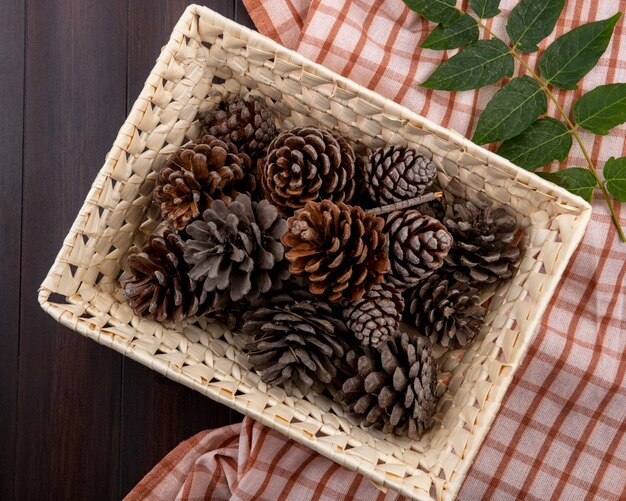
x=209 y=58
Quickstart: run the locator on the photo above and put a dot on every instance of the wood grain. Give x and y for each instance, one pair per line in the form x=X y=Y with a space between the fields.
x=83 y=422
x=11 y=129
x=68 y=436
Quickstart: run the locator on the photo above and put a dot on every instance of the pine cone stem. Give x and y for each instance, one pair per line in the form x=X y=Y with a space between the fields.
x=407 y=204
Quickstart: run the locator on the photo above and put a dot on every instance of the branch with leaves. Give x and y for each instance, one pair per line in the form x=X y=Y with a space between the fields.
x=515 y=118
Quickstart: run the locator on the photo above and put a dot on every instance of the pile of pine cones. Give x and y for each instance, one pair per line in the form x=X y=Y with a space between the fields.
x=268 y=230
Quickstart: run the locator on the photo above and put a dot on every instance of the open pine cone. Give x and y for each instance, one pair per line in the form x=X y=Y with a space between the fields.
x=198 y=173
x=394 y=387
x=160 y=288
x=307 y=164
x=448 y=311
x=376 y=316
x=235 y=250
x=340 y=249
x=396 y=173
x=249 y=125
x=297 y=341
x=418 y=245
x=486 y=243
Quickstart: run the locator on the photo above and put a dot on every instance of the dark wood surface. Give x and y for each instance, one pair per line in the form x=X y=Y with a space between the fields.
x=78 y=420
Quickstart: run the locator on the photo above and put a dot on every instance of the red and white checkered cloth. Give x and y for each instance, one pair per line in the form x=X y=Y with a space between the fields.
x=560 y=433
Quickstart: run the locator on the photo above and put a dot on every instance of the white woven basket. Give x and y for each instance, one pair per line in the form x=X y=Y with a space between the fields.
x=208 y=58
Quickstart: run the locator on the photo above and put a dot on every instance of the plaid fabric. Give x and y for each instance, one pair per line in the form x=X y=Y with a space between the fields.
x=560 y=431
x=250 y=462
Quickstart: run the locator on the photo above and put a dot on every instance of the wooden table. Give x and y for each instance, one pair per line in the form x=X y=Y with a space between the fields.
x=78 y=421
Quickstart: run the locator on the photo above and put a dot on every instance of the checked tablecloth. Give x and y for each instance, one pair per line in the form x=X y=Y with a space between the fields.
x=560 y=433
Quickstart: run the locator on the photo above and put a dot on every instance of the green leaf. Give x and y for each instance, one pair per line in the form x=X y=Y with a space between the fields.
x=602 y=108
x=463 y=32
x=439 y=11
x=574 y=54
x=531 y=21
x=485 y=8
x=511 y=111
x=480 y=64
x=544 y=141
x=615 y=177
x=576 y=180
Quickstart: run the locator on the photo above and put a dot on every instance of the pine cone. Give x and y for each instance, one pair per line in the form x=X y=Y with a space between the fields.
x=486 y=243
x=249 y=125
x=307 y=164
x=394 y=388
x=396 y=173
x=198 y=173
x=449 y=312
x=160 y=288
x=376 y=316
x=417 y=246
x=235 y=250
x=298 y=341
x=339 y=248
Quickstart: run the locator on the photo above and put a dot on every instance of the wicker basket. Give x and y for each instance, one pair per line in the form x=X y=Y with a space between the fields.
x=207 y=58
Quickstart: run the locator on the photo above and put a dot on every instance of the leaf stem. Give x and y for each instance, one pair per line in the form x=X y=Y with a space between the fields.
x=572 y=127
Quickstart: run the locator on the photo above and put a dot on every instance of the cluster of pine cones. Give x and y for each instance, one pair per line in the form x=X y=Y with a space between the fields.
x=270 y=231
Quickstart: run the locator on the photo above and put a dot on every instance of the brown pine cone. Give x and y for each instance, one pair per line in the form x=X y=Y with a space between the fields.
x=249 y=125
x=198 y=173
x=298 y=341
x=340 y=249
x=418 y=245
x=486 y=243
x=396 y=173
x=376 y=316
x=160 y=288
x=394 y=387
x=307 y=164
x=234 y=250
x=448 y=311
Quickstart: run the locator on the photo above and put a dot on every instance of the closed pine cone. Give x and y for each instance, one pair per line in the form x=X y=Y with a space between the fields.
x=486 y=243
x=376 y=316
x=249 y=125
x=307 y=164
x=418 y=245
x=198 y=173
x=234 y=250
x=160 y=288
x=396 y=173
x=394 y=387
x=448 y=311
x=297 y=341
x=340 y=249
